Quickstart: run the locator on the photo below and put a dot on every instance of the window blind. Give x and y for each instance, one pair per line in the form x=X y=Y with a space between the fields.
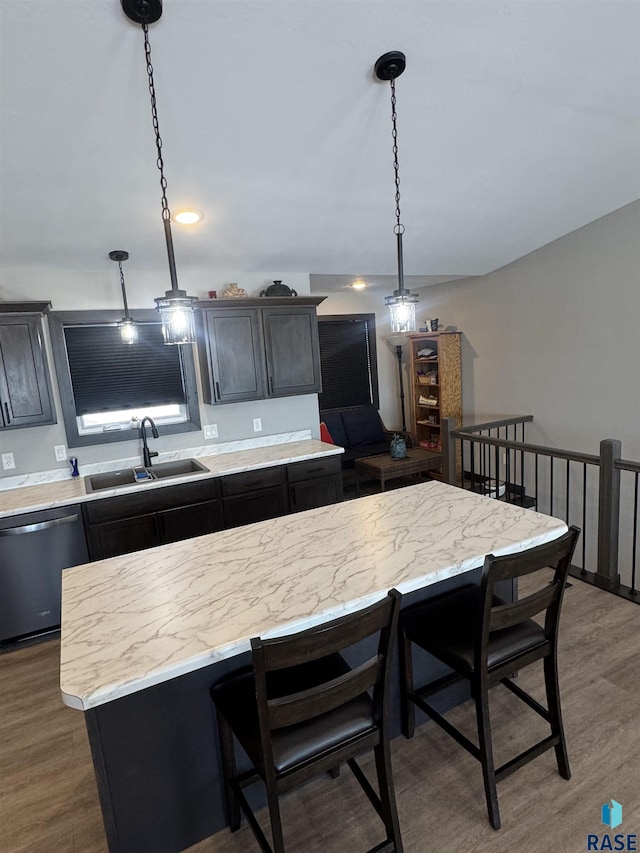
x=345 y=358
x=108 y=375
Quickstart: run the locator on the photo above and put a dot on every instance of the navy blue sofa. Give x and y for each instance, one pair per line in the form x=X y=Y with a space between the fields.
x=359 y=430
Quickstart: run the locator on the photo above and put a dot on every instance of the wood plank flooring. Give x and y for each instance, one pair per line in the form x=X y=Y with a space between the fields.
x=49 y=802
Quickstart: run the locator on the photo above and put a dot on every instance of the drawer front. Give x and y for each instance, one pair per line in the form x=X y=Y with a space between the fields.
x=324 y=467
x=151 y=500
x=254 y=506
x=251 y=481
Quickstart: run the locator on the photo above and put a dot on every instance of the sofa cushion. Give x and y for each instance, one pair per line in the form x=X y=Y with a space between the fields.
x=363 y=427
x=333 y=422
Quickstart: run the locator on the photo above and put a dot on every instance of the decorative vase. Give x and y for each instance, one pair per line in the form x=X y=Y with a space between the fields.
x=398 y=447
x=278 y=289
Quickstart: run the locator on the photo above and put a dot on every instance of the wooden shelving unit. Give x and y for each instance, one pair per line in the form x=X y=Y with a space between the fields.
x=436 y=384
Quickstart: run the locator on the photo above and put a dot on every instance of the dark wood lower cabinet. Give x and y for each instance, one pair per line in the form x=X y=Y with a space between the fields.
x=314 y=493
x=143 y=519
x=186 y=522
x=254 y=506
x=112 y=538
x=314 y=483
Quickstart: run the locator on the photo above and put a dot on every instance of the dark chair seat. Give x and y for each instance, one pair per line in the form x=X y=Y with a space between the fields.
x=293 y=745
x=447 y=628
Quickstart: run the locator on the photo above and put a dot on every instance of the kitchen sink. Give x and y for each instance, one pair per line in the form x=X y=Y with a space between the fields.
x=127 y=477
x=176 y=468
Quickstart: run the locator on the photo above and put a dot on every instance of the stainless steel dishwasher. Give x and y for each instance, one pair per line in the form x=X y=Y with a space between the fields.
x=34 y=548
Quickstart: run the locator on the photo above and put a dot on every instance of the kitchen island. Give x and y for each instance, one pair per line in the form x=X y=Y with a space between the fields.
x=145 y=635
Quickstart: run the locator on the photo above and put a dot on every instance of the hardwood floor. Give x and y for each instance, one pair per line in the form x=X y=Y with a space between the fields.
x=49 y=802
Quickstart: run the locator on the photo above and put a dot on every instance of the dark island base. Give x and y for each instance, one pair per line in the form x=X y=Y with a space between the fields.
x=156 y=756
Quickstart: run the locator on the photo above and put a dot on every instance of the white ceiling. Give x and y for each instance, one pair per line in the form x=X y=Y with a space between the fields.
x=518 y=122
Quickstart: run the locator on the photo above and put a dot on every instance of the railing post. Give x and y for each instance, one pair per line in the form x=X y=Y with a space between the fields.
x=448 y=450
x=607 y=575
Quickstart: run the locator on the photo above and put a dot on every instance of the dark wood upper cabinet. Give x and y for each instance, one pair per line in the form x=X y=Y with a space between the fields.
x=233 y=349
x=25 y=387
x=258 y=348
x=292 y=350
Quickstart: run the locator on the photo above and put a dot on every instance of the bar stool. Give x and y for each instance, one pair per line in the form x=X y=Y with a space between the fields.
x=301 y=711
x=484 y=640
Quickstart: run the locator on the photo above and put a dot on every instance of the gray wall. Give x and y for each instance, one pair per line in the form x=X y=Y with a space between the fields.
x=556 y=334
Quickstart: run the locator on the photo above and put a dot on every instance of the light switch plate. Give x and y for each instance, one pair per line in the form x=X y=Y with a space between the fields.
x=257 y=424
x=211 y=431
x=61 y=452
x=8 y=461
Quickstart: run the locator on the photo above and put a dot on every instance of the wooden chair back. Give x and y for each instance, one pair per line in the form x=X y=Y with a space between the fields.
x=555 y=555
x=314 y=643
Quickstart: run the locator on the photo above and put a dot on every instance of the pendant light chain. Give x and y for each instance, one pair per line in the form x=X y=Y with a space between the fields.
x=124 y=291
x=166 y=213
x=399 y=228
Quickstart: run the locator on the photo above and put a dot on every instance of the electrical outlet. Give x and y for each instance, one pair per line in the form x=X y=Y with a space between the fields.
x=257 y=424
x=8 y=461
x=211 y=431
x=61 y=452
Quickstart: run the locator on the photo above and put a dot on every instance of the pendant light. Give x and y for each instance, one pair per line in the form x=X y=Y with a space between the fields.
x=128 y=329
x=175 y=307
x=402 y=303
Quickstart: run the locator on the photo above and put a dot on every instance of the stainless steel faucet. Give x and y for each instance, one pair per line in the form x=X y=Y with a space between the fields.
x=147 y=454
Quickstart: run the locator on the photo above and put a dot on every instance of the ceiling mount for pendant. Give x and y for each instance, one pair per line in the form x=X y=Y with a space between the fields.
x=390 y=65
x=142 y=10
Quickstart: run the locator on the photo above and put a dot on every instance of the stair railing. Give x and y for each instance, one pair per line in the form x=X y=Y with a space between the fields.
x=581 y=488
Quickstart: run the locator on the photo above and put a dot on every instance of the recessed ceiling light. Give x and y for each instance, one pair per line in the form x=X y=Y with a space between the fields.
x=188 y=217
x=359 y=285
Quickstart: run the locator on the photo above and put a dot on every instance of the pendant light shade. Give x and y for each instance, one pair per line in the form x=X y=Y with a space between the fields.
x=402 y=303
x=176 y=311
x=175 y=307
x=402 y=311
x=128 y=329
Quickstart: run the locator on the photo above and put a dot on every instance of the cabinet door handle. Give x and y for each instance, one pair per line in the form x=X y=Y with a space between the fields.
x=39 y=525
x=271 y=384
x=6 y=414
x=315 y=470
x=217 y=390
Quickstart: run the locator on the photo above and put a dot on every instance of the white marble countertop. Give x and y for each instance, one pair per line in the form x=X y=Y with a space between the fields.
x=134 y=621
x=62 y=492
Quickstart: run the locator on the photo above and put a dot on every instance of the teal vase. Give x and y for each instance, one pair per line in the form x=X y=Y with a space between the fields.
x=398 y=447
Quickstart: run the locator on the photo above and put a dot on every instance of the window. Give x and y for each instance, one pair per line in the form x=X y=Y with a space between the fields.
x=106 y=386
x=348 y=360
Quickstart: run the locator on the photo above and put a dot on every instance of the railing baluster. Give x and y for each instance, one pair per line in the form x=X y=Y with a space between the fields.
x=473 y=466
x=584 y=518
x=634 y=547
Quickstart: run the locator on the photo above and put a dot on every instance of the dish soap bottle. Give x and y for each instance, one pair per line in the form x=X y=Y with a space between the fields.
x=73 y=461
